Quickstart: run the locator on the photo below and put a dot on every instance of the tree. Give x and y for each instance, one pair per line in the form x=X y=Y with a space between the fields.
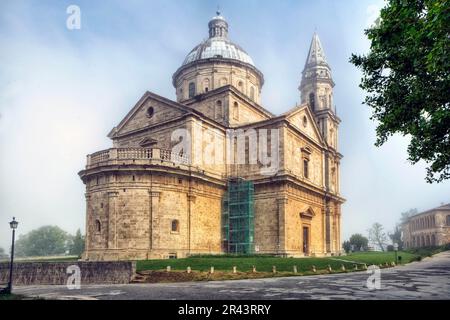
x=76 y=246
x=407 y=77
x=45 y=241
x=347 y=246
x=3 y=254
x=377 y=236
x=396 y=236
x=407 y=214
x=359 y=242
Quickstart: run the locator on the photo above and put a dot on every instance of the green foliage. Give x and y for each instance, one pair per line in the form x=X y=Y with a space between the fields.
x=407 y=77
x=359 y=242
x=45 y=241
x=76 y=245
x=377 y=236
x=429 y=251
x=347 y=246
x=396 y=236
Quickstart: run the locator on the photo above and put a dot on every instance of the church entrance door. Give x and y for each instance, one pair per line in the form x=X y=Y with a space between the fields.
x=306 y=241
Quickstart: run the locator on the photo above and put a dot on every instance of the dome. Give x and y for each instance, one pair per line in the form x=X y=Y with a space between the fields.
x=218 y=45
x=218 y=48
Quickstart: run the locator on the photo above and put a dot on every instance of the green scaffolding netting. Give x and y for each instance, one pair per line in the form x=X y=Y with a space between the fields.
x=238 y=217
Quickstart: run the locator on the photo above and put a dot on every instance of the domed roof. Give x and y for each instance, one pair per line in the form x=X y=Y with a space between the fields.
x=218 y=45
x=218 y=48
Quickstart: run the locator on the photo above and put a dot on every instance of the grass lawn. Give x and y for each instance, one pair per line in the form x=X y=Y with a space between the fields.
x=265 y=263
x=379 y=257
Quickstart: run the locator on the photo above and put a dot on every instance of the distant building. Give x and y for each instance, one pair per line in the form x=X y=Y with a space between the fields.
x=429 y=228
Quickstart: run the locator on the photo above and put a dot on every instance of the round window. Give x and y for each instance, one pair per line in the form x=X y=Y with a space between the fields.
x=150 y=112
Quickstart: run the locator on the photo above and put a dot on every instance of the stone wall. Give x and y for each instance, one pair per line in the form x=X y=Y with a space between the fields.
x=55 y=273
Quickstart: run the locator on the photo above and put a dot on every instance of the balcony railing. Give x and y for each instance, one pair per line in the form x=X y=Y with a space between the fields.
x=113 y=155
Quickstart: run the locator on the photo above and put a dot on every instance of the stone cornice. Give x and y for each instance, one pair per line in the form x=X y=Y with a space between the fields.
x=227 y=89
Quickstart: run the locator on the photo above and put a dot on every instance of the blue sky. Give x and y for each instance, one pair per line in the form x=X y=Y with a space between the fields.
x=61 y=92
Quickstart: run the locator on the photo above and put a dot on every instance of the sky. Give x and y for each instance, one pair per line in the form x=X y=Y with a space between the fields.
x=62 y=91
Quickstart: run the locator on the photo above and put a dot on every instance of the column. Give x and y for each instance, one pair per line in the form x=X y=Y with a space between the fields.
x=153 y=216
x=327 y=226
x=191 y=201
x=281 y=205
x=112 y=220
x=88 y=234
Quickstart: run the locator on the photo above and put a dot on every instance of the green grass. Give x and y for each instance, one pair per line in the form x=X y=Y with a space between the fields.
x=265 y=263
x=380 y=257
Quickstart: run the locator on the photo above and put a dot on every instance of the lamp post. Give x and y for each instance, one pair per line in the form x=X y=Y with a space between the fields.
x=395 y=250
x=13 y=224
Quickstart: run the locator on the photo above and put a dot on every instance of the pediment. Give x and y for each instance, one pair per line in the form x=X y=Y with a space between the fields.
x=147 y=142
x=302 y=118
x=307 y=212
x=149 y=110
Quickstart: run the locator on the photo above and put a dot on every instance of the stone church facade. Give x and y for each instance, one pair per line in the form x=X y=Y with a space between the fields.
x=145 y=201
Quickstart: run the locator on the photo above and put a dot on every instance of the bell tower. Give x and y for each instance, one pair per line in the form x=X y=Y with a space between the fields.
x=316 y=90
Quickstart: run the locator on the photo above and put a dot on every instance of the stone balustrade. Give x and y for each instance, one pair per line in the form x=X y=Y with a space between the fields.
x=105 y=157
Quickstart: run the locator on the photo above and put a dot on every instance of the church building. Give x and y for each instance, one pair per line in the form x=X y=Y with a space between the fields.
x=215 y=172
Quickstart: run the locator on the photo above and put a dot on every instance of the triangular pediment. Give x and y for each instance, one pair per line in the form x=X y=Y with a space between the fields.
x=307 y=212
x=148 y=142
x=151 y=109
x=302 y=118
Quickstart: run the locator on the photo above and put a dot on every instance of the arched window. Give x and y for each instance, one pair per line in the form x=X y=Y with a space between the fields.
x=219 y=111
x=191 y=90
x=98 y=226
x=206 y=85
x=252 y=93
x=175 y=226
x=236 y=111
x=306 y=168
x=312 y=101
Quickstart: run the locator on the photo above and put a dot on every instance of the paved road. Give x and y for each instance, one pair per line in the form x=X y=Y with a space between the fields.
x=429 y=279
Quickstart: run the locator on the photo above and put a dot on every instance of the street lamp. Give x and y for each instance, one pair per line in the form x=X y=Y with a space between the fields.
x=395 y=250
x=13 y=224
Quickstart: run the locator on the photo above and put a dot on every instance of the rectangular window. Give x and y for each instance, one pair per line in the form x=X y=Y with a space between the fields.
x=305 y=168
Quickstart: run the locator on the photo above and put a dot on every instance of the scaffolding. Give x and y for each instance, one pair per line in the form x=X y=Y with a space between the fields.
x=238 y=217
